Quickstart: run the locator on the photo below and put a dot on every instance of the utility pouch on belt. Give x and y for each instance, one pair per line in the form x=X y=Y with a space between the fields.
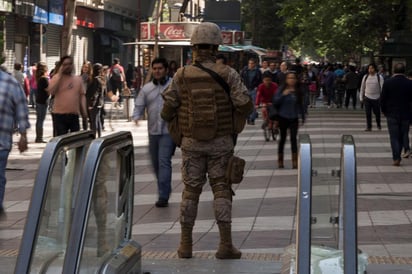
x=175 y=132
x=202 y=119
x=235 y=169
x=239 y=122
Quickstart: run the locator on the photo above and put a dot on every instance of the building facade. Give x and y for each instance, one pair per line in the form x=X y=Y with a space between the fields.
x=31 y=31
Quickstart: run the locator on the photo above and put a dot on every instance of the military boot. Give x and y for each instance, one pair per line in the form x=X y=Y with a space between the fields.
x=185 y=248
x=280 y=160
x=294 y=160
x=226 y=249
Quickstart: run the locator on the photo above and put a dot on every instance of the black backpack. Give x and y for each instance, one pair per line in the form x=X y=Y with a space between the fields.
x=116 y=75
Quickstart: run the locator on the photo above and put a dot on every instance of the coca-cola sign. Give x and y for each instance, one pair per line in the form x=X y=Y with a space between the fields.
x=183 y=31
x=173 y=32
x=167 y=31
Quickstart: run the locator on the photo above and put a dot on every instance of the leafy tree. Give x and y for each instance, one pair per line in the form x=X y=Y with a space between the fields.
x=340 y=29
x=261 y=22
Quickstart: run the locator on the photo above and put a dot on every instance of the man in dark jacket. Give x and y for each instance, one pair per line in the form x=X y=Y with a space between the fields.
x=396 y=102
x=252 y=78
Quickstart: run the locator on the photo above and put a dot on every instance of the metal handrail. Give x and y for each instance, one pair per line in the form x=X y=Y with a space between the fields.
x=123 y=143
x=303 y=233
x=79 y=140
x=348 y=205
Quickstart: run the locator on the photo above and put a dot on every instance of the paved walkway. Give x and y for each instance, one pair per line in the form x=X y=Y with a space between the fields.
x=265 y=203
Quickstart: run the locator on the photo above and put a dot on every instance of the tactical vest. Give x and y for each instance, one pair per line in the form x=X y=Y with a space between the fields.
x=206 y=110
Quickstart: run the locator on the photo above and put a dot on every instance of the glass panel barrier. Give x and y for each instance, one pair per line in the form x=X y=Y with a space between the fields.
x=325 y=188
x=49 y=216
x=327 y=213
x=303 y=238
x=100 y=239
x=348 y=206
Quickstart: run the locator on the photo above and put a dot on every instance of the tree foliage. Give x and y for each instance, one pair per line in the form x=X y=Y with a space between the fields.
x=335 y=29
x=261 y=22
x=340 y=29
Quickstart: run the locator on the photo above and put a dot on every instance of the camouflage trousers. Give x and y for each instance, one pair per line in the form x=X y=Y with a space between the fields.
x=202 y=160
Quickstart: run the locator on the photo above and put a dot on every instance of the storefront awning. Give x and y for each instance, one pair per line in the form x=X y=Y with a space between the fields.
x=160 y=43
x=225 y=48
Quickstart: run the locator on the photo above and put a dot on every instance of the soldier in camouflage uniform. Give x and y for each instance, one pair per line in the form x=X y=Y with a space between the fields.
x=203 y=110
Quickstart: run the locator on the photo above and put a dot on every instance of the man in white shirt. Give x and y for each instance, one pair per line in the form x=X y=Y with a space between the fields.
x=370 y=93
x=161 y=145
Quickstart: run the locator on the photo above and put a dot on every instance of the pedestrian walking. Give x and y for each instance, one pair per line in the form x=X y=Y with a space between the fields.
x=161 y=145
x=69 y=99
x=199 y=105
x=370 y=93
x=18 y=74
x=351 y=80
x=252 y=78
x=14 y=115
x=289 y=102
x=95 y=95
x=117 y=78
x=396 y=103
x=33 y=85
x=41 y=99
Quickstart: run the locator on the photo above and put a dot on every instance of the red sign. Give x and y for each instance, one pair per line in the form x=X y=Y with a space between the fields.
x=167 y=31
x=239 y=37
x=232 y=37
x=173 y=31
x=85 y=24
x=227 y=37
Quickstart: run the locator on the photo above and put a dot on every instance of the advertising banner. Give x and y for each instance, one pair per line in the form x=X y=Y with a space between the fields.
x=41 y=14
x=168 y=31
x=56 y=12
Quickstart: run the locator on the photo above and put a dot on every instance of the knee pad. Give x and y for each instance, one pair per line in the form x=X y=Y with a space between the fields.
x=191 y=193
x=188 y=207
x=221 y=190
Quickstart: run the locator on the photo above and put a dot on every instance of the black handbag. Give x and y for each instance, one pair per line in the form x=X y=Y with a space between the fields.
x=273 y=112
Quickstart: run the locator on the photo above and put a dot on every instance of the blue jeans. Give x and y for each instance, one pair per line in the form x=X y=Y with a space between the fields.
x=32 y=97
x=397 y=129
x=330 y=92
x=4 y=154
x=41 y=111
x=252 y=94
x=161 y=149
x=405 y=138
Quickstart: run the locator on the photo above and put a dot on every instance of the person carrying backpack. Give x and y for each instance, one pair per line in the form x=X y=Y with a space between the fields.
x=117 y=78
x=370 y=93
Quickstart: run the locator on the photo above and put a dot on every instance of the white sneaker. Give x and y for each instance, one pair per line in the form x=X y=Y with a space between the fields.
x=406 y=154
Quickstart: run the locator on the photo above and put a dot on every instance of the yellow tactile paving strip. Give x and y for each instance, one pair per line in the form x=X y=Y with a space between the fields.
x=245 y=256
x=8 y=252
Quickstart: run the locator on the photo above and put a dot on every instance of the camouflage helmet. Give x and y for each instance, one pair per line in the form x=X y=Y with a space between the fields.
x=206 y=33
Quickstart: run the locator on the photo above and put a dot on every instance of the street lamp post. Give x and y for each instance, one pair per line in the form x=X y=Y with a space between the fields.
x=157 y=32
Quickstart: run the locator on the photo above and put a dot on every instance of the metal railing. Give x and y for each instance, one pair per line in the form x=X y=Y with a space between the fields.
x=347 y=209
x=348 y=205
x=116 y=149
x=49 y=207
x=303 y=233
x=81 y=213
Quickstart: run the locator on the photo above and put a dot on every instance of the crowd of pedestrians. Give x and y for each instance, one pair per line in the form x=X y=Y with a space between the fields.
x=338 y=86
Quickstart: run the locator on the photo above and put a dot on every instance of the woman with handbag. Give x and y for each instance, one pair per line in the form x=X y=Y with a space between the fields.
x=290 y=104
